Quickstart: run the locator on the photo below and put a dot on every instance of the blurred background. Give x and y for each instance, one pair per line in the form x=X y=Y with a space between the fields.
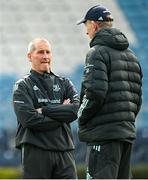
x=21 y=21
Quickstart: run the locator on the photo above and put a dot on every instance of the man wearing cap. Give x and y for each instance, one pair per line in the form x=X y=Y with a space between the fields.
x=110 y=98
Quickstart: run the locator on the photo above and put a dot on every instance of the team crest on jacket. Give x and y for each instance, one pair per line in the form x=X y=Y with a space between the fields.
x=56 y=87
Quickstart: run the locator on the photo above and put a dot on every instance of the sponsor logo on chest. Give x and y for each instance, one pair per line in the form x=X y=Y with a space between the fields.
x=52 y=101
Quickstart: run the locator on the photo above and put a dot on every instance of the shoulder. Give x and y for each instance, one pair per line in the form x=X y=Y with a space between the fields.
x=63 y=79
x=92 y=51
x=23 y=79
x=21 y=82
x=59 y=77
x=97 y=54
x=96 y=51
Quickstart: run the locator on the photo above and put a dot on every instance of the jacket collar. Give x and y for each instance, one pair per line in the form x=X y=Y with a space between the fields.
x=44 y=75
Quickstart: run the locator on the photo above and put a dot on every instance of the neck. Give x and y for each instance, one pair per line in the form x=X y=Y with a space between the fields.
x=41 y=72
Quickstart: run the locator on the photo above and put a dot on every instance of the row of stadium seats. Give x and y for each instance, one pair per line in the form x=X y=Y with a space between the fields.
x=55 y=20
x=136 y=12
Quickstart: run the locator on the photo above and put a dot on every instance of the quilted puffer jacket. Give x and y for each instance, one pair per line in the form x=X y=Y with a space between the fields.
x=111 y=89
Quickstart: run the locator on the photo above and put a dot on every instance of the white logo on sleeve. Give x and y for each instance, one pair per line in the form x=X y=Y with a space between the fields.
x=35 y=88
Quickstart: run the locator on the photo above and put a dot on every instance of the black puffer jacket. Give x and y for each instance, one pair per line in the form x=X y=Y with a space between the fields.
x=111 y=89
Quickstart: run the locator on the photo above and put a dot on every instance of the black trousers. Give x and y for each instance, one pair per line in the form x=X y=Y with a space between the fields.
x=43 y=164
x=109 y=161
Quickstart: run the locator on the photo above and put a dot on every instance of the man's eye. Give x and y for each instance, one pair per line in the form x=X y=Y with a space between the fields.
x=47 y=52
x=40 y=52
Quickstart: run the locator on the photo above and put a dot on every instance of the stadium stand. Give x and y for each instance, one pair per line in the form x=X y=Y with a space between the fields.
x=136 y=13
x=21 y=21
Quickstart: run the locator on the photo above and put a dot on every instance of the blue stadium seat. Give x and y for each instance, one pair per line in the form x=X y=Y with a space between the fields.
x=136 y=11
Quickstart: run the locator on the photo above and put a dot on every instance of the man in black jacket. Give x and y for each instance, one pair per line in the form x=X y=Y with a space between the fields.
x=110 y=98
x=45 y=104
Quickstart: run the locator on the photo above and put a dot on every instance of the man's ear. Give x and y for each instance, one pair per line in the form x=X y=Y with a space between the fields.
x=29 y=57
x=96 y=25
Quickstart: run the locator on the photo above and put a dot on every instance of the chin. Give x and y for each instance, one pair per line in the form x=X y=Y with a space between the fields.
x=45 y=69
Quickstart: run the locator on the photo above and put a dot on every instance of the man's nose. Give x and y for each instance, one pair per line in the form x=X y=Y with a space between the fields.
x=45 y=55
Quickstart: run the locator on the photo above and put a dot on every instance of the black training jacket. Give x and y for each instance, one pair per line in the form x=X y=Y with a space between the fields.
x=51 y=129
x=111 y=89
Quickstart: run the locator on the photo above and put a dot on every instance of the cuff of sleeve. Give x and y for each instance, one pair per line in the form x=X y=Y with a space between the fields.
x=45 y=110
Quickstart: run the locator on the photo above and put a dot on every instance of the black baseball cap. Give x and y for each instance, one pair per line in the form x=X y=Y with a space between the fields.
x=97 y=13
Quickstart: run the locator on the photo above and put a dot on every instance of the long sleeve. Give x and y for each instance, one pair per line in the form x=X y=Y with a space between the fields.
x=26 y=113
x=64 y=112
x=94 y=86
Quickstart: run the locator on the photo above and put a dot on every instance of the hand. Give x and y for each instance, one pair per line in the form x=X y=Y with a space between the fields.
x=66 y=101
x=39 y=110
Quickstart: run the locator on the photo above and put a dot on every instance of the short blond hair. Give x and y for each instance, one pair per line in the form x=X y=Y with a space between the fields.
x=105 y=24
x=31 y=45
